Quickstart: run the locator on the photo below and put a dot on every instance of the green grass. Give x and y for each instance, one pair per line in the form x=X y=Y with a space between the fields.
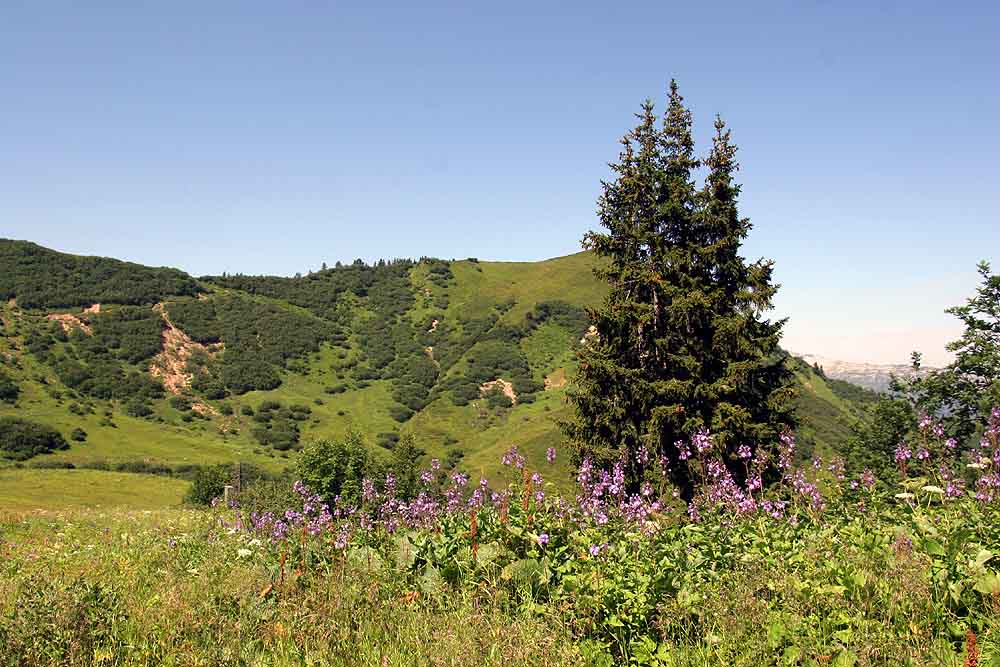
x=170 y=588
x=482 y=435
x=479 y=286
x=29 y=489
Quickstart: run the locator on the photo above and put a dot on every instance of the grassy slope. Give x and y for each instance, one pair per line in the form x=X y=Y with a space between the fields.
x=131 y=439
x=66 y=489
x=475 y=291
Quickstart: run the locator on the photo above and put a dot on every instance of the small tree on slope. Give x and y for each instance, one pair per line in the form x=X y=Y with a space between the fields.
x=681 y=344
x=965 y=391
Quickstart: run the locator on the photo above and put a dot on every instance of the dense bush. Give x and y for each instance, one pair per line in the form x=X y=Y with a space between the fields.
x=131 y=334
x=277 y=424
x=209 y=482
x=490 y=360
x=400 y=413
x=9 y=391
x=386 y=283
x=496 y=399
x=138 y=409
x=182 y=403
x=260 y=339
x=21 y=439
x=335 y=468
x=106 y=379
x=569 y=316
x=41 y=278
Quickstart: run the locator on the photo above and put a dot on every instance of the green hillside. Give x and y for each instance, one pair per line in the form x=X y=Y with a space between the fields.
x=172 y=371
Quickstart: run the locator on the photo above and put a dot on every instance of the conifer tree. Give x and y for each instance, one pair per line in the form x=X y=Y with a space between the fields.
x=680 y=343
x=964 y=392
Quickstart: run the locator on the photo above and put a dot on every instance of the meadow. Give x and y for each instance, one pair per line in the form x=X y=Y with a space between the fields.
x=822 y=568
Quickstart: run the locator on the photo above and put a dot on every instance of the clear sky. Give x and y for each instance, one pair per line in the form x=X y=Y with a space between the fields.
x=269 y=137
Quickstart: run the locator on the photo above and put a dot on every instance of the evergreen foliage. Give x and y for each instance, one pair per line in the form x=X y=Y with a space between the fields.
x=278 y=425
x=131 y=334
x=682 y=344
x=405 y=467
x=41 y=278
x=21 y=439
x=9 y=390
x=872 y=446
x=387 y=283
x=260 y=339
x=967 y=389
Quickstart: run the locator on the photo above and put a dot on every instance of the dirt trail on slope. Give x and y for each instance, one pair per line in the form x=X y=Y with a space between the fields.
x=170 y=365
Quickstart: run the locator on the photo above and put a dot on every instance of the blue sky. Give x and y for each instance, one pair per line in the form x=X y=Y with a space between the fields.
x=270 y=137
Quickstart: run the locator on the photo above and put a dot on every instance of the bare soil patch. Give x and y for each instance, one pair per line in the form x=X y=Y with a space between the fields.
x=506 y=387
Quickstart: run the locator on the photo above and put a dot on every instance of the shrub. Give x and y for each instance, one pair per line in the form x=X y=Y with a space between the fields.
x=335 y=468
x=21 y=439
x=496 y=399
x=400 y=413
x=51 y=465
x=138 y=409
x=267 y=495
x=181 y=403
x=78 y=435
x=208 y=483
x=9 y=391
x=387 y=439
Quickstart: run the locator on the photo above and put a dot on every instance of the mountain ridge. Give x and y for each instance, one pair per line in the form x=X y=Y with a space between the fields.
x=394 y=349
x=874 y=376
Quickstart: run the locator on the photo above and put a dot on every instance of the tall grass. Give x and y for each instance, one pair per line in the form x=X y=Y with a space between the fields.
x=169 y=588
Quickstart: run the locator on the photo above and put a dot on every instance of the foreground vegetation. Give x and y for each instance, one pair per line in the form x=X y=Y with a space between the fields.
x=819 y=569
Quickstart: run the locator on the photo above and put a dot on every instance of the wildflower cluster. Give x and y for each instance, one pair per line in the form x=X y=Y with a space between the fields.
x=612 y=499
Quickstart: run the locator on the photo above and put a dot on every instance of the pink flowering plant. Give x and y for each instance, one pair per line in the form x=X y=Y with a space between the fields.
x=612 y=551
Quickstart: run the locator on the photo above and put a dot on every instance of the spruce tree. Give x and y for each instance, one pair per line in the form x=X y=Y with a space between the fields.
x=681 y=343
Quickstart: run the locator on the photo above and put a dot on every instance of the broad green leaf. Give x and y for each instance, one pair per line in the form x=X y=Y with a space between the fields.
x=934 y=548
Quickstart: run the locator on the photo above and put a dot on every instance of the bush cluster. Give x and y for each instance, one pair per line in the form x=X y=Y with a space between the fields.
x=21 y=439
x=41 y=278
x=278 y=425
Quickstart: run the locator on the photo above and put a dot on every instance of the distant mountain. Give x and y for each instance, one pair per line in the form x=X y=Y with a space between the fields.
x=136 y=364
x=870 y=376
